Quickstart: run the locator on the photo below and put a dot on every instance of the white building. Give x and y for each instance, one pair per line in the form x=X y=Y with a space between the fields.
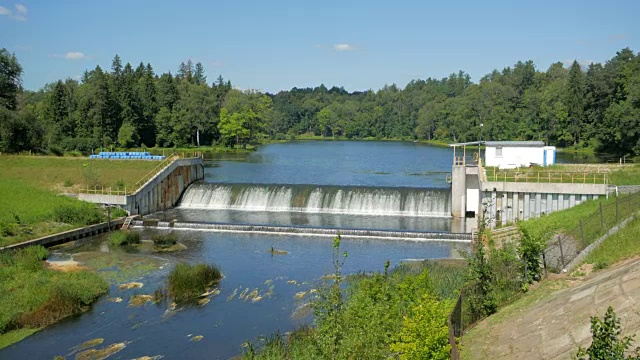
x=513 y=154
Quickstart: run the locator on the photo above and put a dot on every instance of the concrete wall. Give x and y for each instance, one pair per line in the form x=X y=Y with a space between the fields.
x=59 y=238
x=458 y=190
x=507 y=207
x=159 y=193
x=164 y=190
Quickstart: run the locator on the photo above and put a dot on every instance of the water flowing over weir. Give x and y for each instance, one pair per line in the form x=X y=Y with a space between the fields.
x=320 y=199
x=299 y=230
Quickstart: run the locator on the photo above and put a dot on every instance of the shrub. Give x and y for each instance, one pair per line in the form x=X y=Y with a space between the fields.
x=68 y=183
x=187 y=282
x=78 y=214
x=607 y=342
x=165 y=240
x=124 y=237
x=425 y=334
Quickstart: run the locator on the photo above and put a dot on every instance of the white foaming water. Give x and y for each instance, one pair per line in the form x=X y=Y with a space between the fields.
x=319 y=199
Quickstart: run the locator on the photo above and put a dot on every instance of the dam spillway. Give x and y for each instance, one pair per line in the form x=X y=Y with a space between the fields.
x=354 y=200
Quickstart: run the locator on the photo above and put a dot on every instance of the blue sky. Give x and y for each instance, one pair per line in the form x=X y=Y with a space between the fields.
x=276 y=45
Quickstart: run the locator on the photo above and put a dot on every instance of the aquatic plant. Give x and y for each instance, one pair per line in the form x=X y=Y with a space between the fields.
x=165 y=240
x=187 y=282
x=124 y=237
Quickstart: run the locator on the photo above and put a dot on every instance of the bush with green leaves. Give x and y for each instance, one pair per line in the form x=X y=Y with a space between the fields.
x=608 y=343
x=425 y=331
x=78 y=214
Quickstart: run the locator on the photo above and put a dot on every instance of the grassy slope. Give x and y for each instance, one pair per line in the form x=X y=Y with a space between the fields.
x=620 y=246
x=29 y=184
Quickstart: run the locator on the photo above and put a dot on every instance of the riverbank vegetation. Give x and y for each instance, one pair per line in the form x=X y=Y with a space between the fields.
x=188 y=282
x=591 y=106
x=403 y=312
x=33 y=296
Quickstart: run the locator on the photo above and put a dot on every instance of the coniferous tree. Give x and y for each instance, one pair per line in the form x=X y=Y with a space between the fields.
x=575 y=101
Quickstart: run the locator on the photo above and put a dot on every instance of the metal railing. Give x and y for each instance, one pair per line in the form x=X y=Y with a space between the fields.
x=548 y=177
x=171 y=158
x=121 y=191
x=101 y=190
x=568 y=244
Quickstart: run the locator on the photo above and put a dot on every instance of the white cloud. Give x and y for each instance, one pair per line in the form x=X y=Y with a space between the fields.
x=21 y=9
x=72 y=55
x=20 y=14
x=343 y=47
x=5 y=11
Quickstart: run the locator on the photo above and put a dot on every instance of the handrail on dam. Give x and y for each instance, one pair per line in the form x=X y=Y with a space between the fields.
x=548 y=177
x=171 y=158
x=101 y=190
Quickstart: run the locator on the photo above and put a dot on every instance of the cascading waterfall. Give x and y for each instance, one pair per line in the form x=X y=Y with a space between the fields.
x=319 y=199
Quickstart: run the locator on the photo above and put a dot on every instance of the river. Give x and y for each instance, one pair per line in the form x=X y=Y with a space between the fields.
x=358 y=185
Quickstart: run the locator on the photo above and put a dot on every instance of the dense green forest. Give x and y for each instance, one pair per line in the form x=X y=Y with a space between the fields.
x=597 y=106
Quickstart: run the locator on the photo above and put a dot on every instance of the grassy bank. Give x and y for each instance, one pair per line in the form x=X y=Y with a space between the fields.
x=33 y=296
x=620 y=246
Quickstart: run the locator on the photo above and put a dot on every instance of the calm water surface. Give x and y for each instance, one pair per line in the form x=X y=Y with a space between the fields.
x=355 y=163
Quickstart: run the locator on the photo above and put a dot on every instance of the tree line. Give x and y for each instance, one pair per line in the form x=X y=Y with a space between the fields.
x=595 y=106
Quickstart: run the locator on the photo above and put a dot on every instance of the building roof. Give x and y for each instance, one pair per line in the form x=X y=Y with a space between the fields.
x=515 y=143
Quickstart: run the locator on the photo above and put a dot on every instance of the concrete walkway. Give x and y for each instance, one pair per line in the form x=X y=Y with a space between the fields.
x=552 y=325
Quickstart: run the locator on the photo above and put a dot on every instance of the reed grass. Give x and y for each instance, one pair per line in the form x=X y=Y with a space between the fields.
x=124 y=237
x=165 y=240
x=188 y=282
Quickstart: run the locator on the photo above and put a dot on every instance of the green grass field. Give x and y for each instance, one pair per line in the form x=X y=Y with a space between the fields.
x=63 y=174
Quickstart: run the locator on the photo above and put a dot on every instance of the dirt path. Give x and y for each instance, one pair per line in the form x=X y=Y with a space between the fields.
x=551 y=324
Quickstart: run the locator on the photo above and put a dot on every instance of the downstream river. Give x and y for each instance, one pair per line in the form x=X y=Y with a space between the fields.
x=331 y=185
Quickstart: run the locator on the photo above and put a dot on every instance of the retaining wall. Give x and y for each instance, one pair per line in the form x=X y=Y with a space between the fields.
x=159 y=193
x=59 y=238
